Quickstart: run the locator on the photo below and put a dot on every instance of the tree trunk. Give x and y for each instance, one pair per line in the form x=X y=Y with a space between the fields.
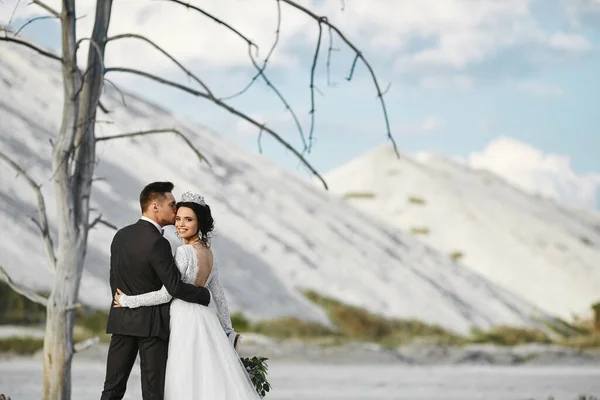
x=58 y=341
x=73 y=162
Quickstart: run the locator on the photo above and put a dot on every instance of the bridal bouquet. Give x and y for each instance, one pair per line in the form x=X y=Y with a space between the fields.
x=257 y=369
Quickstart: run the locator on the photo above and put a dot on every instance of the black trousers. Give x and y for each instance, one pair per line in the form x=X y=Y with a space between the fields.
x=122 y=353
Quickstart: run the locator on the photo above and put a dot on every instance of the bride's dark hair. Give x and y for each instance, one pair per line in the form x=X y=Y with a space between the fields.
x=206 y=223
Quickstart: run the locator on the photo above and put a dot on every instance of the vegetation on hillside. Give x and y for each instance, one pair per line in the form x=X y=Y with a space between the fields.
x=16 y=309
x=350 y=323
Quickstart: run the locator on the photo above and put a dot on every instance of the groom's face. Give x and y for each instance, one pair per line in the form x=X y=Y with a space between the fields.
x=166 y=209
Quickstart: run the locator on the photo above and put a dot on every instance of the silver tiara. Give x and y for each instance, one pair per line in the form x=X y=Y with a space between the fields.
x=192 y=198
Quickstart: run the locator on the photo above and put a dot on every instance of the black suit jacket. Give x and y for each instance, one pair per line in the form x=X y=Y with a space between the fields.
x=141 y=262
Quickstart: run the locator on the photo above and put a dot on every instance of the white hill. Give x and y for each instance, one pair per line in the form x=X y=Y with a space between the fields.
x=276 y=233
x=544 y=252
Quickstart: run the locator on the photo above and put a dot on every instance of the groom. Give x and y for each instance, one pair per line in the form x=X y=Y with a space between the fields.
x=141 y=261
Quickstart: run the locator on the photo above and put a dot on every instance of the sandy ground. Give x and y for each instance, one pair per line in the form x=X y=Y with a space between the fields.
x=21 y=378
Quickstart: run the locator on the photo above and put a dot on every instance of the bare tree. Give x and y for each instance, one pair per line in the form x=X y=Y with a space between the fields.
x=74 y=157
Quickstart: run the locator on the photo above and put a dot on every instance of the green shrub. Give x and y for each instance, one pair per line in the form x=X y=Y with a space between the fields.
x=239 y=322
x=456 y=255
x=356 y=323
x=417 y=230
x=583 y=342
x=291 y=327
x=509 y=336
x=92 y=320
x=416 y=200
x=18 y=309
x=359 y=195
x=21 y=345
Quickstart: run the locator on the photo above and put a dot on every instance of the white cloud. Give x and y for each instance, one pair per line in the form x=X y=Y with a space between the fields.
x=546 y=174
x=484 y=124
x=569 y=43
x=457 y=81
x=541 y=89
x=429 y=125
x=456 y=34
x=578 y=10
x=186 y=34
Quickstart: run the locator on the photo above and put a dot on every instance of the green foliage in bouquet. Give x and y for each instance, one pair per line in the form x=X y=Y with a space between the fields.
x=257 y=369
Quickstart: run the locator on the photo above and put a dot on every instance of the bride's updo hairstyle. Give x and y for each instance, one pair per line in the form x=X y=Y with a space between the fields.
x=206 y=223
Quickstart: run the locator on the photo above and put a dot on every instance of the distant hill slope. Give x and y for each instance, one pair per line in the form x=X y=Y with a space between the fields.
x=276 y=233
x=546 y=253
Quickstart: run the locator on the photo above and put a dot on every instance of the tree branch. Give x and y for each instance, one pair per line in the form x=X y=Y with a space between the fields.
x=33 y=47
x=153 y=132
x=32 y=21
x=329 y=51
x=103 y=108
x=312 y=84
x=358 y=55
x=226 y=106
x=266 y=60
x=14 y=12
x=99 y=220
x=260 y=71
x=86 y=344
x=47 y=8
x=47 y=54
x=169 y=56
x=118 y=90
x=283 y=100
x=352 y=68
x=43 y=222
x=30 y=294
x=215 y=19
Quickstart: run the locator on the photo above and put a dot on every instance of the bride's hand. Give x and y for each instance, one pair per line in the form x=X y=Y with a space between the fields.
x=116 y=303
x=236 y=342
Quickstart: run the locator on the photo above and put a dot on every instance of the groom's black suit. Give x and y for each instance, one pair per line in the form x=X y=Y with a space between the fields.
x=141 y=262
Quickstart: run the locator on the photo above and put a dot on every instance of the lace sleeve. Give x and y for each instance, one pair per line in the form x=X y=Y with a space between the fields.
x=159 y=296
x=220 y=301
x=147 y=299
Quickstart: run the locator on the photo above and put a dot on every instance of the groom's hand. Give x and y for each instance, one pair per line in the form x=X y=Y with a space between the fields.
x=118 y=294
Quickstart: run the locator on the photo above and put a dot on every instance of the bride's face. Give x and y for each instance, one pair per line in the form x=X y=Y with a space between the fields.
x=186 y=223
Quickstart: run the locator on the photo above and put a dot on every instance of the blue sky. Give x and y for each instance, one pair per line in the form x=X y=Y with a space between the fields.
x=462 y=75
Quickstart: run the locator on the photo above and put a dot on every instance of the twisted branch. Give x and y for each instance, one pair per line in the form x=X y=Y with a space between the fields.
x=266 y=60
x=360 y=56
x=226 y=106
x=99 y=220
x=153 y=132
x=42 y=224
x=349 y=78
x=86 y=344
x=103 y=108
x=33 y=20
x=31 y=46
x=215 y=19
x=169 y=56
x=30 y=294
x=118 y=90
x=260 y=71
x=329 y=51
x=312 y=84
x=47 y=8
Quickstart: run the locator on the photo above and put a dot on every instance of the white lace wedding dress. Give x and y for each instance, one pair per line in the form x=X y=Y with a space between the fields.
x=202 y=362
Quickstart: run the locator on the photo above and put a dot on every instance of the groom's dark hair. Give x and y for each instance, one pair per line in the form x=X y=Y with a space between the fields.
x=153 y=191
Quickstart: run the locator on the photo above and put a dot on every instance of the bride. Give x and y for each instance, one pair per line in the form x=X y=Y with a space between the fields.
x=202 y=361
